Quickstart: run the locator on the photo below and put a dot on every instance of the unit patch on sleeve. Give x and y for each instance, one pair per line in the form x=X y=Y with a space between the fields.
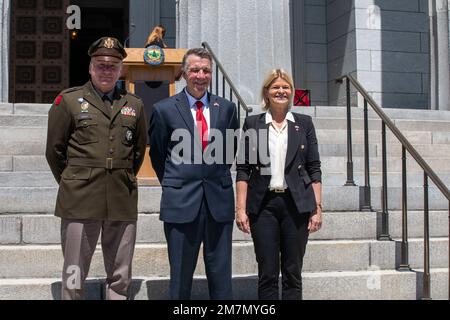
x=58 y=100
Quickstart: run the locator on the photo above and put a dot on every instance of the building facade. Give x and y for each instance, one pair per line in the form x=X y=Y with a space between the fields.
x=398 y=50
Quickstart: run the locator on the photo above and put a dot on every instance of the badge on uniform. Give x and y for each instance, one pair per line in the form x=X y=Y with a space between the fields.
x=85 y=106
x=128 y=111
x=129 y=135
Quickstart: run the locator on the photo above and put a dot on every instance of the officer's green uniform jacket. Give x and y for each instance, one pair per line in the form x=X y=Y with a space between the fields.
x=94 y=152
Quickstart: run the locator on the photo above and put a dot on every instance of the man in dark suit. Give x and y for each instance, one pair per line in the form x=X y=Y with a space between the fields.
x=197 y=204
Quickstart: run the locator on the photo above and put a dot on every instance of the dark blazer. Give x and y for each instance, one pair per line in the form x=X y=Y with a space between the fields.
x=302 y=162
x=183 y=185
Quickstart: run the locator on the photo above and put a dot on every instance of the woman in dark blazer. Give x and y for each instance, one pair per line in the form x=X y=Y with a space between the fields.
x=278 y=187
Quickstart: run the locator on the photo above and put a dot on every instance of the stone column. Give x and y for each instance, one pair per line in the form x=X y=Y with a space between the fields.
x=249 y=37
x=4 y=49
x=439 y=46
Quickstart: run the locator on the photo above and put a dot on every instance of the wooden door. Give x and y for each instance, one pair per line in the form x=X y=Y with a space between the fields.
x=39 y=53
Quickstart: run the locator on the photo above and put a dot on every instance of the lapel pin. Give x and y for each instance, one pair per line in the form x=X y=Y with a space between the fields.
x=80 y=100
x=297 y=128
x=302 y=146
x=216 y=104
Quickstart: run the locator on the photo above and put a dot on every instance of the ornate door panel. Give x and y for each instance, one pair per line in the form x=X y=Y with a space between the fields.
x=40 y=46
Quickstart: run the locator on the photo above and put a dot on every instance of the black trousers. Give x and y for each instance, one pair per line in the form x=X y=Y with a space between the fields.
x=280 y=235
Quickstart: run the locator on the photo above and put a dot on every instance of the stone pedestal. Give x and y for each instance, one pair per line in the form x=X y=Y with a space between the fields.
x=249 y=37
x=4 y=49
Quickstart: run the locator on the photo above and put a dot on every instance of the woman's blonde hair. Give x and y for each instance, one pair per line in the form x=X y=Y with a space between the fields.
x=271 y=77
x=157 y=34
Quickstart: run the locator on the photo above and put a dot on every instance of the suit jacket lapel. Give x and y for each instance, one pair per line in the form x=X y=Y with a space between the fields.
x=293 y=141
x=261 y=125
x=91 y=96
x=185 y=111
x=183 y=107
x=214 y=111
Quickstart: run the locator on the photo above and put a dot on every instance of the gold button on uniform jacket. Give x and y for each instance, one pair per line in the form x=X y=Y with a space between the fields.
x=95 y=152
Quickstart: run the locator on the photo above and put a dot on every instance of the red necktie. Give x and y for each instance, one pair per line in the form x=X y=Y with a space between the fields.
x=202 y=126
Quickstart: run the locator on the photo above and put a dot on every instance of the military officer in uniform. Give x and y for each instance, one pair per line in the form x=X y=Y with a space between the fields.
x=96 y=143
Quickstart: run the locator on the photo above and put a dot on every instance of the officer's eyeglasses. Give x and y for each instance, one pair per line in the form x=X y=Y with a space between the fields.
x=106 y=67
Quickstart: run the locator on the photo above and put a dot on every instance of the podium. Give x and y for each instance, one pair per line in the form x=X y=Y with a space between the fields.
x=135 y=69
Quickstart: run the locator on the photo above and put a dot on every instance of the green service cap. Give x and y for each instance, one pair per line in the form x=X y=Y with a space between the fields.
x=107 y=46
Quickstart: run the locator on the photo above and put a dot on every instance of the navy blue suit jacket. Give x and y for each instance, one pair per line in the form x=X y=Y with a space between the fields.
x=302 y=165
x=184 y=185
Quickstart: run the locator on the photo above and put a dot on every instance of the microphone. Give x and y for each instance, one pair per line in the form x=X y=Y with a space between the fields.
x=132 y=25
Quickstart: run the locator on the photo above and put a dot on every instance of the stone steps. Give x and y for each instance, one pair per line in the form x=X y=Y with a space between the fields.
x=394 y=164
x=20 y=131
x=358 y=112
x=335 y=198
x=26 y=229
x=360 y=285
x=27 y=179
x=11 y=121
x=394 y=179
x=330 y=164
x=314 y=111
x=36 y=146
x=45 y=261
x=24 y=108
x=24 y=163
x=343 y=260
x=324 y=117
x=375 y=124
x=319 y=123
x=42 y=199
x=46 y=179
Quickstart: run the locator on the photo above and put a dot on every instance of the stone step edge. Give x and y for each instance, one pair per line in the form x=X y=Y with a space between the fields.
x=329 y=274
x=236 y=243
x=325 y=212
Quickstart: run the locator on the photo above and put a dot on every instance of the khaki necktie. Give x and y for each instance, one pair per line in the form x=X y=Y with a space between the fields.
x=107 y=102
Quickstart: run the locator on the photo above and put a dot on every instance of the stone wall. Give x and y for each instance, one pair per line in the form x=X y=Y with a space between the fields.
x=316 y=77
x=392 y=51
x=341 y=39
x=250 y=37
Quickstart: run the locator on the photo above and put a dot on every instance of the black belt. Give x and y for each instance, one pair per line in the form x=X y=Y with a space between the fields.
x=108 y=163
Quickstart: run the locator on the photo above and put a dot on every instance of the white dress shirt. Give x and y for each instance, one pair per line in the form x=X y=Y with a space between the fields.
x=278 y=140
x=205 y=108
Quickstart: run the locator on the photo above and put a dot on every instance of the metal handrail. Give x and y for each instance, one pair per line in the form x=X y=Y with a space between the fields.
x=431 y=174
x=383 y=233
x=233 y=89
